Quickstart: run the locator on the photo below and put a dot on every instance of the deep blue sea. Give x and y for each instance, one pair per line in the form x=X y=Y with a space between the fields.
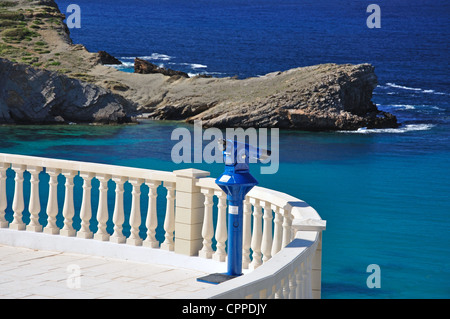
x=384 y=193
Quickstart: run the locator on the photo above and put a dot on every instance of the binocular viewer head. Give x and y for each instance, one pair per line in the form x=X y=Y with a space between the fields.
x=235 y=152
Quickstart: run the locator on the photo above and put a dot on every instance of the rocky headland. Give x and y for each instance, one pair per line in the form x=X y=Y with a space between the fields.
x=45 y=78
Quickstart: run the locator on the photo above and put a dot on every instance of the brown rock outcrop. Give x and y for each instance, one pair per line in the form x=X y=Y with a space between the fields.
x=316 y=98
x=108 y=59
x=36 y=96
x=145 y=67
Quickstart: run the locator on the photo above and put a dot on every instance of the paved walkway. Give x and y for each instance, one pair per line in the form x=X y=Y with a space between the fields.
x=27 y=273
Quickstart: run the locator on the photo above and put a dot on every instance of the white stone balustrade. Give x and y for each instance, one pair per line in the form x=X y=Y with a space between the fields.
x=86 y=208
x=152 y=219
x=135 y=216
x=18 y=202
x=69 y=206
x=169 y=221
x=119 y=213
x=3 y=203
x=52 y=203
x=272 y=220
x=35 y=205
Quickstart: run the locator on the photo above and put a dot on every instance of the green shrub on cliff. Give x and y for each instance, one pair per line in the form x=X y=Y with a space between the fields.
x=9 y=51
x=6 y=4
x=7 y=23
x=18 y=33
x=11 y=15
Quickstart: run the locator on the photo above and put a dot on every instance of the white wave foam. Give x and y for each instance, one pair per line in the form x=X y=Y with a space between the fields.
x=194 y=65
x=403 y=87
x=128 y=64
x=397 y=86
x=404 y=106
x=153 y=56
x=403 y=129
x=124 y=65
x=413 y=107
x=157 y=56
x=198 y=66
x=212 y=73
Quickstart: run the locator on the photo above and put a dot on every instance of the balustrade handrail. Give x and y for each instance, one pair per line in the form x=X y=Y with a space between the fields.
x=97 y=168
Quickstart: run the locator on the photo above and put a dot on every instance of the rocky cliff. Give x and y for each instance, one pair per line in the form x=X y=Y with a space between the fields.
x=322 y=97
x=82 y=89
x=36 y=96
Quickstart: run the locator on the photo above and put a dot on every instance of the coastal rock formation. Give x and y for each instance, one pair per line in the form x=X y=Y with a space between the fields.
x=107 y=59
x=145 y=67
x=35 y=96
x=317 y=98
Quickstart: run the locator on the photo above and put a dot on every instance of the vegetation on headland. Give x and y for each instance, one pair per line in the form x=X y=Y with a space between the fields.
x=26 y=26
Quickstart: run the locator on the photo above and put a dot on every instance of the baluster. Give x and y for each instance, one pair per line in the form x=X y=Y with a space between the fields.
x=35 y=205
x=298 y=283
x=287 y=223
x=302 y=281
x=207 y=228
x=293 y=285
x=18 y=202
x=272 y=292
x=256 y=235
x=151 y=221
x=86 y=208
x=102 y=211
x=266 y=245
x=135 y=215
x=169 y=221
x=221 y=228
x=119 y=214
x=279 y=290
x=278 y=232
x=3 y=201
x=68 y=209
x=308 y=280
x=247 y=236
x=52 y=204
x=286 y=287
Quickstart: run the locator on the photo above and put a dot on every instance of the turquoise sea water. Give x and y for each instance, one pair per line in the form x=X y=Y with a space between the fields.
x=386 y=201
x=384 y=193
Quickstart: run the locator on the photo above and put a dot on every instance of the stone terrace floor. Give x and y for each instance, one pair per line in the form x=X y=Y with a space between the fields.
x=28 y=273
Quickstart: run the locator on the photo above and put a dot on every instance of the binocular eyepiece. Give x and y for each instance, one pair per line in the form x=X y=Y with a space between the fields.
x=238 y=152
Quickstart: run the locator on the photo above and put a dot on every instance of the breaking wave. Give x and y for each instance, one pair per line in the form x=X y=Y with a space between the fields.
x=403 y=129
x=402 y=87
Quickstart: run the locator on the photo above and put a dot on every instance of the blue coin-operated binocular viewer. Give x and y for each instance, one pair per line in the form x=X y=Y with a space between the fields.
x=236 y=181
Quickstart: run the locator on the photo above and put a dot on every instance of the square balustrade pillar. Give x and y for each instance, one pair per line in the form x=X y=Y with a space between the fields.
x=189 y=210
